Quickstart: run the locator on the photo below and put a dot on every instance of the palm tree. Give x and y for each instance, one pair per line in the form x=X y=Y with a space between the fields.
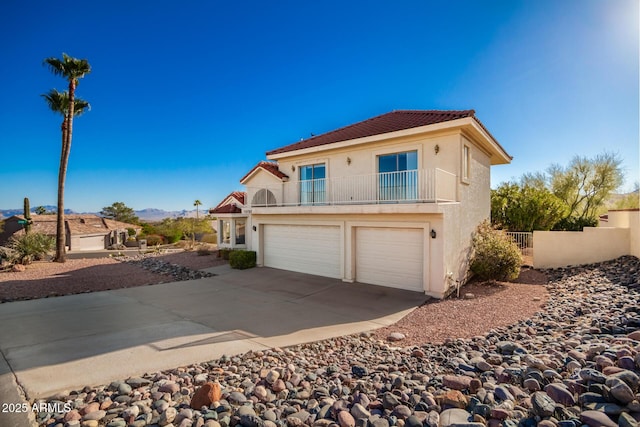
x=197 y=203
x=71 y=69
x=58 y=102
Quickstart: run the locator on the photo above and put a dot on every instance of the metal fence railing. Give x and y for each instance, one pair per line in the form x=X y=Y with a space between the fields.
x=523 y=239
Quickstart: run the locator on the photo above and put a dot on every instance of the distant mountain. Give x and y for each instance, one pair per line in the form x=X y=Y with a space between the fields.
x=6 y=213
x=152 y=214
x=149 y=214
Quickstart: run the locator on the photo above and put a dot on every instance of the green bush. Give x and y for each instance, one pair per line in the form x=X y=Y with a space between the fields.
x=495 y=255
x=31 y=247
x=242 y=259
x=154 y=239
x=573 y=223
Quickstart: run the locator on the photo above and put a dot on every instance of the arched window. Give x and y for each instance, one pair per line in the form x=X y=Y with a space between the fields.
x=263 y=197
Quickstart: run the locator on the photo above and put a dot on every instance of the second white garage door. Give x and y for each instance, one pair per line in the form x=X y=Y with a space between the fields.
x=391 y=257
x=311 y=249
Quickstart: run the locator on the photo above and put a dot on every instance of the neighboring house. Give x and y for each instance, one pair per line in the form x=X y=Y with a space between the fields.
x=391 y=201
x=83 y=231
x=231 y=222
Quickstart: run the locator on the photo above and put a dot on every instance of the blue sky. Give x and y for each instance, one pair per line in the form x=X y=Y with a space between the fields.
x=187 y=96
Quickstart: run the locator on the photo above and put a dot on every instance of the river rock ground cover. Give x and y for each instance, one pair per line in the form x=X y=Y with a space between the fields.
x=574 y=363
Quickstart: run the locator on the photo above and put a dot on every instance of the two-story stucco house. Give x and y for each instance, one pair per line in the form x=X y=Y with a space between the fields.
x=391 y=201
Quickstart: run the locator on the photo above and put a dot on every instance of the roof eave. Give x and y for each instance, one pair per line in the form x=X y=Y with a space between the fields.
x=451 y=124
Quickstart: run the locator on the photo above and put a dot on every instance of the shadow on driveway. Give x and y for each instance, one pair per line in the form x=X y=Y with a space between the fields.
x=58 y=344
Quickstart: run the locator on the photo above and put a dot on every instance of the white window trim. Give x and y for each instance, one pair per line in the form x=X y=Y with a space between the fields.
x=465 y=163
x=397 y=150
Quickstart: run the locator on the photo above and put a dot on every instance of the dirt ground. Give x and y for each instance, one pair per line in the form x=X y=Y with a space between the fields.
x=45 y=279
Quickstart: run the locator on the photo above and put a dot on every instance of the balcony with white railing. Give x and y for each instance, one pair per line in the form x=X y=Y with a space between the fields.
x=414 y=186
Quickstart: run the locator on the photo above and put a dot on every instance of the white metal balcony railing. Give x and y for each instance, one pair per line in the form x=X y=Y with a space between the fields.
x=415 y=186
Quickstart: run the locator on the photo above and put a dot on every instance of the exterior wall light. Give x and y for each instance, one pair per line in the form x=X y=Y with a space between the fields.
x=254 y=228
x=436 y=149
x=348 y=160
x=433 y=233
x=293 y=168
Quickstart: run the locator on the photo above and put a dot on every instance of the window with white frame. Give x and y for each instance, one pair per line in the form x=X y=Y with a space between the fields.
x=240 y=225
x=466 y=163
x=226 y=231
x=313 y=184
x=398 y=176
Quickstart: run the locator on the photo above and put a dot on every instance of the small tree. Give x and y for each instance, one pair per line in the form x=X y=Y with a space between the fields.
x=495 y=255
x=525 y=208
x=585 y=184
x=120 y=212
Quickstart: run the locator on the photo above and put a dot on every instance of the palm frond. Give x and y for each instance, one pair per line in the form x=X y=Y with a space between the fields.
x=68 y=67
x=58 y=102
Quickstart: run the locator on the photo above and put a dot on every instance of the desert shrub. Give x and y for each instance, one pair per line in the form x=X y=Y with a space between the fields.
x=495 y=255
x=224 y=253
x=31 y=247
x=209 y=238
x=574 y=223
x=154 y=239
x=242 y=259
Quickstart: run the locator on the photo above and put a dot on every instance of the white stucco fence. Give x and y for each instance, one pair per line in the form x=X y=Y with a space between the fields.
x=594 y=244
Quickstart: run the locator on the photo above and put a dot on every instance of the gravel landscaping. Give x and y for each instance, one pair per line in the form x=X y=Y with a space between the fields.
x=47 y=279
x=575 y=362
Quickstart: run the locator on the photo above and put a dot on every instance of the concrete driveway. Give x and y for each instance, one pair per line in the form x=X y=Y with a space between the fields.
x=63 y=343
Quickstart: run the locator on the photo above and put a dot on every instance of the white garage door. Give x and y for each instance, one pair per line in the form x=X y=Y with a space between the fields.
x=391 y=257
x=311 y=249
x=91 y=243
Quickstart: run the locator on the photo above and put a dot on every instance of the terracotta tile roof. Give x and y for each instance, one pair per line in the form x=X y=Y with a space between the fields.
x=385 y=123
x=270 y=167
x=231 y=208
x=227 y=208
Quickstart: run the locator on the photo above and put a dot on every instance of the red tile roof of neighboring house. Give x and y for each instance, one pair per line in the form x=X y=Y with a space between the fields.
x=385 y=123
x=270 y=167
x=230 y=207
x=77 y=224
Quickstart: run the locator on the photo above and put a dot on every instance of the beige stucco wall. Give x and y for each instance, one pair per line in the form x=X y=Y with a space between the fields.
x=628 y=218
x=461 y=219
x=263 y=180
x=553 y=249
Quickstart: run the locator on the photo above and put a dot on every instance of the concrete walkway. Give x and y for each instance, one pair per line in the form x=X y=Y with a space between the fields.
x=59 y=344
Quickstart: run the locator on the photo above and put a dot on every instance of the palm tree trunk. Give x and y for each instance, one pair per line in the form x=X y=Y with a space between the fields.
x=67 y=131
x=61 y=235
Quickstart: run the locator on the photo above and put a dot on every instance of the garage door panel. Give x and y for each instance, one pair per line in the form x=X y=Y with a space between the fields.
x=91 y=243
x=391 y=257
x=311 y=249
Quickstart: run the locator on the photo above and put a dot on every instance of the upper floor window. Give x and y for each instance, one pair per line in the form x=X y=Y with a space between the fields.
x=398 y=176
x=313 y=184
x=466 y=163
